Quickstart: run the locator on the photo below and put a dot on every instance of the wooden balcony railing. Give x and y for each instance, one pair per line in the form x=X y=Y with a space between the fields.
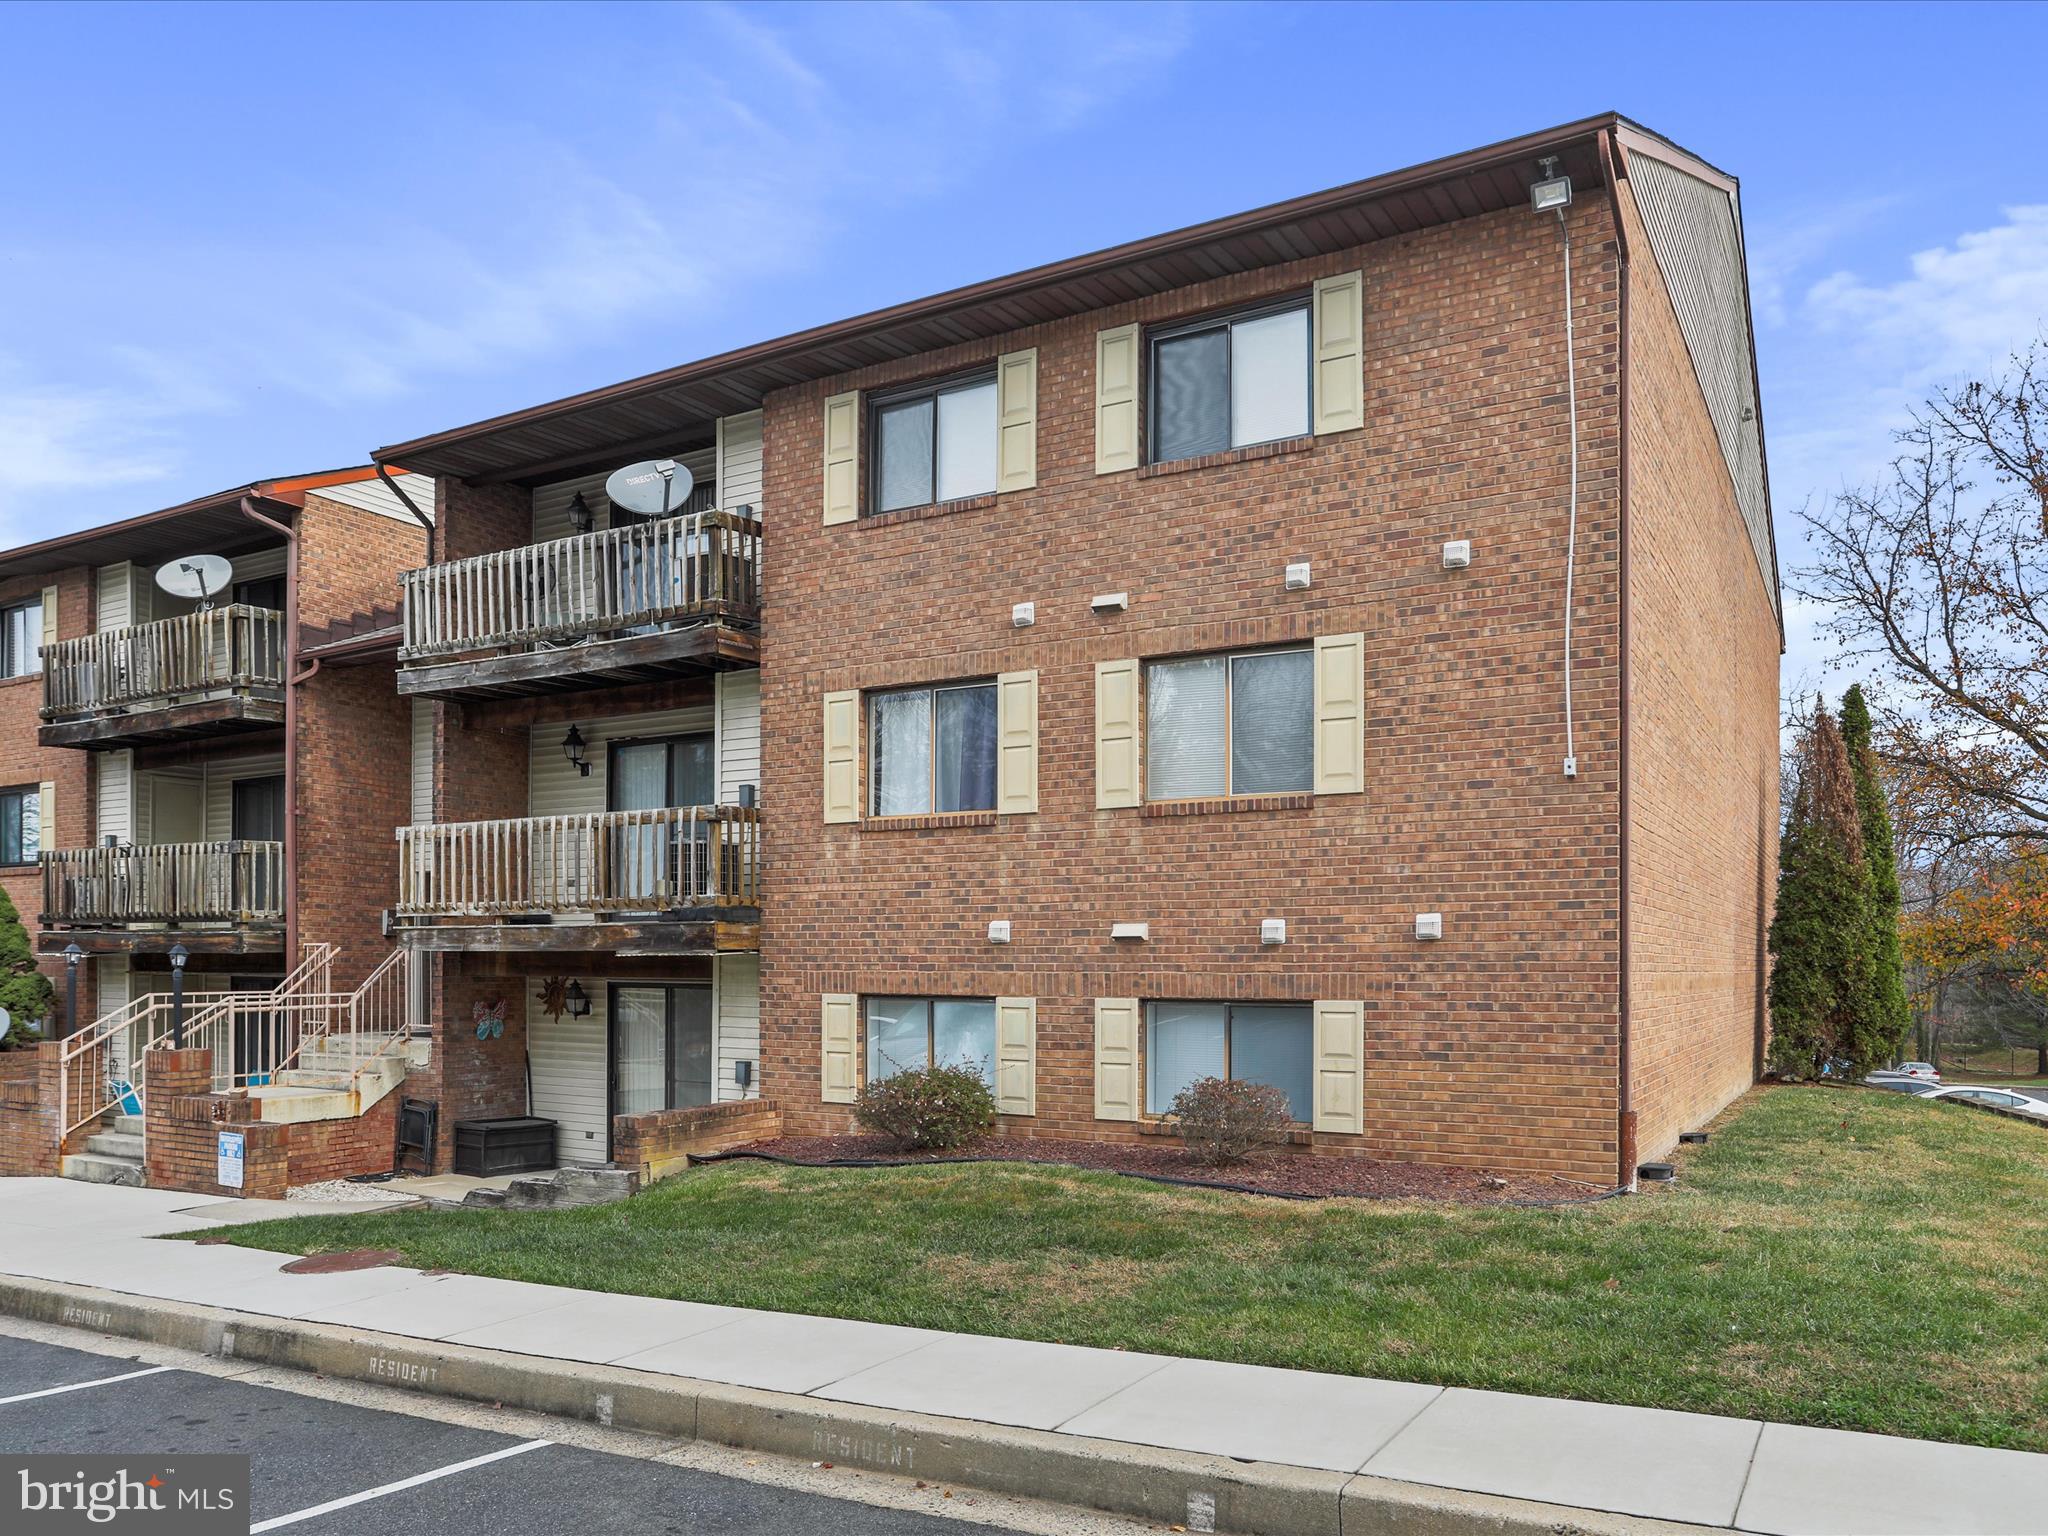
x=605 y=862
x=219 y=650
x=232 y=882
x=702 y=566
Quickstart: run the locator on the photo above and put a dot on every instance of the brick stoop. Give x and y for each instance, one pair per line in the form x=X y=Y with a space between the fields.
x=655 y=1145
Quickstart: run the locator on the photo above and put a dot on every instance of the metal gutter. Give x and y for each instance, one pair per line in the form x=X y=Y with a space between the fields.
x=411 y=506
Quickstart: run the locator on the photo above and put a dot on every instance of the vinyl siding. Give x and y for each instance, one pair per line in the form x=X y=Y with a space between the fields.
x=554 y=786
x=114 y=796
x=739 y=461
x=115 y=586
x=739 y=733
x=111 y=972
x=373 y=495
x=737 y=979
x=220 y=791
x=551 y=502
x=423 y=762
x=570 y=1078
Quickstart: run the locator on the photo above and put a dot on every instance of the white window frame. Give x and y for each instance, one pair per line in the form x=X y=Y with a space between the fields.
x=874 y=744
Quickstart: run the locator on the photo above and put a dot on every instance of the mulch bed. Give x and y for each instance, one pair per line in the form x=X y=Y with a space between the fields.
x=1290 y=1177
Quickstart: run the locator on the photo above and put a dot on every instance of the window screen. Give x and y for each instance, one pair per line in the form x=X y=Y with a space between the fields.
x=1230 y=382
x=1230 y=725
x=936 y=444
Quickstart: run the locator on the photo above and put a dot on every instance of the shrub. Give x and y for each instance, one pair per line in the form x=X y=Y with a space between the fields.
x=1226 y=1122
x=25 y=992
x=926 y=1108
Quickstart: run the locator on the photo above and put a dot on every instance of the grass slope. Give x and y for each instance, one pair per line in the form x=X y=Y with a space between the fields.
x=1835 y=1257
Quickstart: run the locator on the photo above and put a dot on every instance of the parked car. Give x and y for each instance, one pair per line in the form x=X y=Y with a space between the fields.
x=1899 y=1084
x=2002 y=1098
x=1919 y=1071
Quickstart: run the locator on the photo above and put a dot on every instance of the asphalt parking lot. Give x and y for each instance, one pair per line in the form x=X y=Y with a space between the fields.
x=322 y=1464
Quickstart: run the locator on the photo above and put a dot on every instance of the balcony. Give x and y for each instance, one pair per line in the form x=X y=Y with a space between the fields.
x=211 y=673
x=672 y=597
x=681 y=881
x=214 y=898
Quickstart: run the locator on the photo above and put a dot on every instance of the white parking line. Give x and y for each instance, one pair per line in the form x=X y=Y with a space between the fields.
x=80 y=1386
x=398 y=1487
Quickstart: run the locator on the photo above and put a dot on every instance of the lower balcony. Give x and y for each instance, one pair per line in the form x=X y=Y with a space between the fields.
x=212 y=673
x=685 y=880
x=214 y=898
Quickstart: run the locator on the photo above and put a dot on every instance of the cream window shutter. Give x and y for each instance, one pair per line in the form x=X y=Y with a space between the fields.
x=1116 y=1058
x=1116 y=400
x=1340 y=715
x=1017 y=420
x=842 y=756
x=840 y=1048
x=1016 y=1055
x=1016 y=743
x=46 y=815
x=1116 y=734
x=1339 y=324
x=49 y=617
x=1340 y=1067
x=842 y=457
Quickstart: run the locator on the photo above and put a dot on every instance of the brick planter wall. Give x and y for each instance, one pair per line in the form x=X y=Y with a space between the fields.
x=186 y=1116
x=659 y=1144
x=28 y=1111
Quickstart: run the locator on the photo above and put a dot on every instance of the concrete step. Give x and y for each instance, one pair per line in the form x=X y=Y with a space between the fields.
x=125 y=1125
x=115 y=1144
x=285 y=1102
x=96 y=1169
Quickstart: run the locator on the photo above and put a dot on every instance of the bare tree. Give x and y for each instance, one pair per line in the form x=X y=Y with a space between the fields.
x=1940 y=572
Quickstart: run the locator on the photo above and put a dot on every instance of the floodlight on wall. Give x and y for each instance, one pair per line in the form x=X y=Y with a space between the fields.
x=576 y=1001
x=572 y=749
x=1550 y=191
x=581 y=518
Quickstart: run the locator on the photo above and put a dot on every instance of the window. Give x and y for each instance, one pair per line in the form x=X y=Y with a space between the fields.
x=21 y=825
x=1230 y=381
x=1248 y=1042
x=933 y=749
x=662 y=1052
x=1230 y=725
x=935 y=443
x=911 y=1032
x=21 y=637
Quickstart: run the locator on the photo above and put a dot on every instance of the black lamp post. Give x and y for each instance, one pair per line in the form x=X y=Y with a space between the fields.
x=179 y=955
x=72 y=955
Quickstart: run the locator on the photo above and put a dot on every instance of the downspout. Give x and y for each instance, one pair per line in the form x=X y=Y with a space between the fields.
x=1625 y=1124
x=410 y=505
x=291 y=724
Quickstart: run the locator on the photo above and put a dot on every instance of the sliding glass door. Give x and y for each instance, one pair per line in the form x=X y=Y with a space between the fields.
x=650 y=862
x=662 y=1055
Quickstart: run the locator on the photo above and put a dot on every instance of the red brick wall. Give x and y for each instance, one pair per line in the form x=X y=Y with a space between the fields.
x=354 y=766
x=472 y=1079
x=1703 y=741
x=28 y=1111
x=1496 y=1045
x=25 y=764
x=350 y=559
x=660 y=1144
x=182 y=1144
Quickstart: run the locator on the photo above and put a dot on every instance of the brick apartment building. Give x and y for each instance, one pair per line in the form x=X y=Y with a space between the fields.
x=216 y=775
x=1303 y=647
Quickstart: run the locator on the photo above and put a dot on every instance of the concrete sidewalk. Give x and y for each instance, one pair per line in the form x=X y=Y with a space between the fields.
x=1649 y=1464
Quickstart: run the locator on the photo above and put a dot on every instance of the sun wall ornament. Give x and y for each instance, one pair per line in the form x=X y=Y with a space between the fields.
x=490 y=1019
x=554 y=996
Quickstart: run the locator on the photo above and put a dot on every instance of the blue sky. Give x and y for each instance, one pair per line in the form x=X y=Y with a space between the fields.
x=240 y=241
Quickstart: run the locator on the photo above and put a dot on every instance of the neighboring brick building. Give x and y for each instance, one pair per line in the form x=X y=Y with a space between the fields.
x=1162 y=670
x=221 y=774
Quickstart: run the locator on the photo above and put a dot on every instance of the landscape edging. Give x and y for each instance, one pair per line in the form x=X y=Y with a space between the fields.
x=1143 y=1482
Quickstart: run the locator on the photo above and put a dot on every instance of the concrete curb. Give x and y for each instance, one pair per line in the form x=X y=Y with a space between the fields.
x=1199 y=1492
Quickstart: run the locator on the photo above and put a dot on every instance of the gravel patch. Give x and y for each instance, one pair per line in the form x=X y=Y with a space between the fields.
x=346 y=1191
x=1289 y=1176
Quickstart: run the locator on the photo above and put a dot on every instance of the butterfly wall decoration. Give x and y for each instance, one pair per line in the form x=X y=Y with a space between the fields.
x=490 y=1019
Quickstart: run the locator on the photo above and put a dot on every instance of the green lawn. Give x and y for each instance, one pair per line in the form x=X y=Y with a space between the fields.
x=1833 y=1256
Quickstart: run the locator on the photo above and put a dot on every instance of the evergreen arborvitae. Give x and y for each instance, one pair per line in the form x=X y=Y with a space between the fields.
x=1888 y=973
x=25 y=992
x=1822 y=1000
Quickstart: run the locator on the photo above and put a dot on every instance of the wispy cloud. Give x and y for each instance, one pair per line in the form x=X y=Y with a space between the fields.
x=736 y=145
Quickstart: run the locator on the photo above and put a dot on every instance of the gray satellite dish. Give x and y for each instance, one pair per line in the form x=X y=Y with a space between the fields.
x=199 y=576
x=651 y=488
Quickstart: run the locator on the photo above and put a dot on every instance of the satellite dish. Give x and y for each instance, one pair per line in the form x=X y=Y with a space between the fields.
x=201 y=576
x=651 y=488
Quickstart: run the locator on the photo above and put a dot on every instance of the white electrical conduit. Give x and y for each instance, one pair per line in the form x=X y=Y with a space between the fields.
x=1571 y=543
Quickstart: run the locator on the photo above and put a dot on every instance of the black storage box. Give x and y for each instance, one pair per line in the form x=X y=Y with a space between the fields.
x=522 y=1144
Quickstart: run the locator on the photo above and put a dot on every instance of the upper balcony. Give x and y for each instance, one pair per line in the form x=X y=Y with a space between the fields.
x=643 y=600
x=214 y=898
x=211 y=673
x=685 y=880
